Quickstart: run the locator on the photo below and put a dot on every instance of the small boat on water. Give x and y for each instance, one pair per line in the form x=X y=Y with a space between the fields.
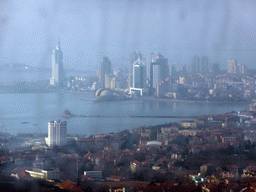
x=35 y=124
x=67 y=114
x=24 y=122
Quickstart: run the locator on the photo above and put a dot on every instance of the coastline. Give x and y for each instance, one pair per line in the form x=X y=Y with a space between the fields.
x=141 y=98
x=80 y=92
x=194 y=101
x=176 y=100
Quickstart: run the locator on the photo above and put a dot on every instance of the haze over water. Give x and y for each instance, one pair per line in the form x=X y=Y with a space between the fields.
x=39 y=108
x=89 y=30
x=12 y=76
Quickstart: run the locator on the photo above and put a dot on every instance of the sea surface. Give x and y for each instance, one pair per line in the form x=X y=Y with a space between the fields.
x=37 y=109
x=17 y=76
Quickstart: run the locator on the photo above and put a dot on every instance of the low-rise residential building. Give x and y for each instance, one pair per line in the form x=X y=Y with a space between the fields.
x=91 y=142
x=162 y=137
x=114 y=178
x=169 y=129
x=134 y=166
x=250 y=135
x=228 y=139
x=188 y=123
x=176 y=156
x=146 y=133
x=50 y=174
x=188 y=132
x=143 y=141
x=227 y=174
x=96 y=175
x=249 y=172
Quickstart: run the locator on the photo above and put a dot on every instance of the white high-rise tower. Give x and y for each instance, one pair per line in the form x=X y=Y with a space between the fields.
x=57 y=133
x=58 y=75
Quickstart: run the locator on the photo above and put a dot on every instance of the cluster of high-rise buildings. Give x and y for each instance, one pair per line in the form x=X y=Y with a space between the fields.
x=199 y=65
x=150 y=76
x=142 y=79
x=235 y=68
x=157 y=78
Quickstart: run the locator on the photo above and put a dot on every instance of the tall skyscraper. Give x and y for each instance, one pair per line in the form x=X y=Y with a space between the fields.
x=110 y=81
x=204 y=64
x=163 y=67
x=241 y=68
x=58 y=75
x=156 y=75
x=216 y=68
x=183 y=70
x=133 y=58
x=173 y=70
x=57 y=133
x=150 y=58
x=104 y=69
x=174 y=73
x=232 y=66
x=195 y=66
x=159 y=70
x=139 y=74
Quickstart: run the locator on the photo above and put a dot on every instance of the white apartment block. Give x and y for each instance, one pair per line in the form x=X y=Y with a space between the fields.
x=57 y=133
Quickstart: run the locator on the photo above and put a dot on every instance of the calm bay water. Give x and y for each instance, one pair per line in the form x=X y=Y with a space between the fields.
x=16 y=76
x=39 y=108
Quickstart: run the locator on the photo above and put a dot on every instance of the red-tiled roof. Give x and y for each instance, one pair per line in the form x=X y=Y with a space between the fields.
x=69 y=185
x=19 y=169
x=24 y=175
x=211 y=186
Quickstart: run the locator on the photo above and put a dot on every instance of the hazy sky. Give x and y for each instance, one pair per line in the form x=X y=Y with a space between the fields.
x=91 y=29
